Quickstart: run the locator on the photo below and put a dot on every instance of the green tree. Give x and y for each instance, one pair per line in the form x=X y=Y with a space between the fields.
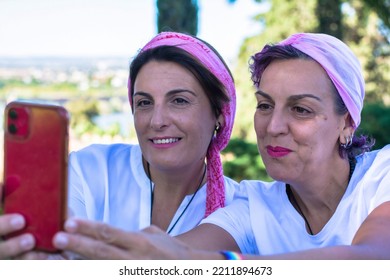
x=376 y=123
x=330 y=17
x=179 y=16
x=365 y=33
x=242 y=161
x=382 y=8
x=82 y=112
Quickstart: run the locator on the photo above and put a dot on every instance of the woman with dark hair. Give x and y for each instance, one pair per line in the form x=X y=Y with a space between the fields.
x=183 y=101
x=331 y=195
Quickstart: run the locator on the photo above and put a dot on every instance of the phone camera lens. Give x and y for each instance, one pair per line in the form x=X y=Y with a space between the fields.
x=13 y=114
x=12 y=129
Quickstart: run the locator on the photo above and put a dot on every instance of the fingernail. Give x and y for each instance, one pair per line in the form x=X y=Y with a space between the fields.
x=61 y=240
x=27 y=242
x=70 y=225
x=17 y=222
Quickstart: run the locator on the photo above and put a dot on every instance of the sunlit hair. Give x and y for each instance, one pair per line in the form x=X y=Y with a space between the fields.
x=214 y=89
x=261 y=60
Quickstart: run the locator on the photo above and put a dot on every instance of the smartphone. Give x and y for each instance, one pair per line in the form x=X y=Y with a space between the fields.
x=35 y=168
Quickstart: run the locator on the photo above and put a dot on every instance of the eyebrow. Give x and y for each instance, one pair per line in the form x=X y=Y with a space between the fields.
x=262 y=93
x=171 y=92
x=290 y=98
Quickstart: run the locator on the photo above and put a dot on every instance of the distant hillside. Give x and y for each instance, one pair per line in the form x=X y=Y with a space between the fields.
x=63 y=63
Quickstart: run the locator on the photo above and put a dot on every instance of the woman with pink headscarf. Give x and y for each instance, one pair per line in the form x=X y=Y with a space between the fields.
x=183 y=101
x=331 y=195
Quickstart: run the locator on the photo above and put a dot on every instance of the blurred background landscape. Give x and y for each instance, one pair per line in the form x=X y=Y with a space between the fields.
x=62 y=60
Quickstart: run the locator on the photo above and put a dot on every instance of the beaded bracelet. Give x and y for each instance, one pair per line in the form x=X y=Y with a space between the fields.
x=229 y=255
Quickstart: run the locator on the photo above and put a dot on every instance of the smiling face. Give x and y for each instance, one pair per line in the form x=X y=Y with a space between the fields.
x=295 y=121
x=173 y=118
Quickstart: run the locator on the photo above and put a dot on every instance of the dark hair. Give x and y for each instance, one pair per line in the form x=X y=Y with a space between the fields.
x=213 y=87
x=261 y=60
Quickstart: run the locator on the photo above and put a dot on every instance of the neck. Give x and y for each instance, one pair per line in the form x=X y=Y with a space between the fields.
x=166 y=197
x=317 y=201
x=324 y=184
x=175 y=182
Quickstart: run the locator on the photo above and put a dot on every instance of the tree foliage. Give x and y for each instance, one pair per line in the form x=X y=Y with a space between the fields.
x=329 y=17
x=82 y=112
x=381 y=8
x=242 y=161
x=179 y=16
x=376 y=123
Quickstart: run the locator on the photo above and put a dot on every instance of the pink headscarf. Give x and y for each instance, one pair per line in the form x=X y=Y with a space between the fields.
x=195 y=47
x=339 y=62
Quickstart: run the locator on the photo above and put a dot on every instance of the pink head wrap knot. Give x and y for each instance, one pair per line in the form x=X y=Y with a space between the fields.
x=198 y=49
x=339 y=62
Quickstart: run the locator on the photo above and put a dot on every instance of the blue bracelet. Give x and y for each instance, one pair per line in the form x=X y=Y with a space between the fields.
x=229 y=255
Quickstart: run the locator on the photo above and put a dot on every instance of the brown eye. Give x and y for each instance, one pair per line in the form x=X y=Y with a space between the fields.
x=301 y=110
x=143 y=103
x=263 y=106
x=180 y=101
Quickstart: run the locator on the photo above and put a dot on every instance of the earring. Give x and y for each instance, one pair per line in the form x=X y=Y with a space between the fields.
x=217 y=126
x=348 y=142
x=216 y=129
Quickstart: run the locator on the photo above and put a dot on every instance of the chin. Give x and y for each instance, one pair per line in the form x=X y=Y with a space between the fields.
x=276 y=174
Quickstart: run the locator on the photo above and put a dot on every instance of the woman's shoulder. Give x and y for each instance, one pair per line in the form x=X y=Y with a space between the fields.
x=260 y=185
x=231 y=189
x=384 y=152
x=259 y=188
x=246 y=184
x=371 y=176
x=375 y=159
x=106 y=156
x=230 y=182
x=105 y=150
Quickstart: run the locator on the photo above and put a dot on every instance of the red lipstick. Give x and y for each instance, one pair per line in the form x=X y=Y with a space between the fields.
x=277 y=152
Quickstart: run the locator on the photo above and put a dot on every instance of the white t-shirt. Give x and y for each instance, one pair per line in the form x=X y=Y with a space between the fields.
x=108 y=183
x=264 y=222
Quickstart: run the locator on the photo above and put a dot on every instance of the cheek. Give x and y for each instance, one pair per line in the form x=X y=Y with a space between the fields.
x=260 y=125
x=139 y=122
x=205 y=129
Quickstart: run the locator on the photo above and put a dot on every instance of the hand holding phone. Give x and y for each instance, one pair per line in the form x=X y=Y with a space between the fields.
x=35 y=168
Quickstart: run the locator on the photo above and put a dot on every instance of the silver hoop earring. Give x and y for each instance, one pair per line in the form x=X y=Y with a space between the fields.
x=348 y=142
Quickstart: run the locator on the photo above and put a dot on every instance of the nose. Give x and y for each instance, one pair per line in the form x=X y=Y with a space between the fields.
x=277 y=123
x=159 y=117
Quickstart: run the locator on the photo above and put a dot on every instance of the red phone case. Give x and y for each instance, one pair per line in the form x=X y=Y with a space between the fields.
x=35 y=168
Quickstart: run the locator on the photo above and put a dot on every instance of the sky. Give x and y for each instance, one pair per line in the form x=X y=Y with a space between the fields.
x=112 y=27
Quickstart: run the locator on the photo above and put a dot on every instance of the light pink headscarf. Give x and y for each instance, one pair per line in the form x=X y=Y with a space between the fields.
x=339 y=62
x=198 y=49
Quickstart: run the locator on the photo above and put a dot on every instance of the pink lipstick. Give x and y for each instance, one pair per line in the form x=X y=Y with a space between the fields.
x=277 y=152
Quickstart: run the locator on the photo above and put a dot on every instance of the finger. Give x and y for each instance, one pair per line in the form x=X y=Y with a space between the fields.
x=33 y=255
x=16 y=246
x=88 y=247
x=101 y=231
x=10 y=223
x=130 y=245
x=153 y=230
